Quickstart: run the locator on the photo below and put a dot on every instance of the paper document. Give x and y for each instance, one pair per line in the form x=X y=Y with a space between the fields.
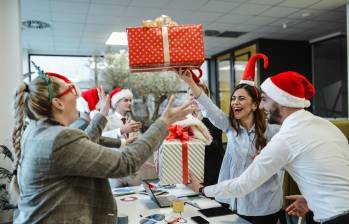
x=203 y=203
x=181 y=191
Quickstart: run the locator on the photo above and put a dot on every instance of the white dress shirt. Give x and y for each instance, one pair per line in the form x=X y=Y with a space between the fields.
x=113 y=127
x=314 y=152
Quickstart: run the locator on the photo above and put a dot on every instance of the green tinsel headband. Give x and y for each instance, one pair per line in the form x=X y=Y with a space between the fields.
x=47 y=80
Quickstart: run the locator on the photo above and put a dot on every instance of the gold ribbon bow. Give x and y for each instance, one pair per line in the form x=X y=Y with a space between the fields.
x=163 y=22
x=159 y=22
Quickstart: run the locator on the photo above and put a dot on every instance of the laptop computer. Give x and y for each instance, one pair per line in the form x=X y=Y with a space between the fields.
x=162 y=201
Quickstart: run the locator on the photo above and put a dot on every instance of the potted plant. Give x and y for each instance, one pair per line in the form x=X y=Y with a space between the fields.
x=151 y=89
x=6 y=209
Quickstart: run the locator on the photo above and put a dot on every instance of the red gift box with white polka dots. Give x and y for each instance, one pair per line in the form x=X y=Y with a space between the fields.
x=146 y=46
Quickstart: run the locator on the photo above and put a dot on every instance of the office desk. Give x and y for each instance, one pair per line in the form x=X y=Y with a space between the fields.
x=144 y=206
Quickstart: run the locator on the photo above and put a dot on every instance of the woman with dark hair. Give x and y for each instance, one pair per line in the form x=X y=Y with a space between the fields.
x=60 y=175
x=247 y=132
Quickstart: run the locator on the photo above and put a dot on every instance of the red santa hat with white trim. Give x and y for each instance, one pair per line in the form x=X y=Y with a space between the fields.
x=117 y=94
x=289 y=89
x=249 y=74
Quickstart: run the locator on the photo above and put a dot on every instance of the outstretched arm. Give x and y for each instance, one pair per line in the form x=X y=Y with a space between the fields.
x=272 y=158
x=217 y=117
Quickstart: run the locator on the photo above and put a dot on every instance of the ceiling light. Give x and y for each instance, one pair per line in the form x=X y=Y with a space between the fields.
x=117 y=38
x=284 y=25
x=305 y=14
x=35 y=24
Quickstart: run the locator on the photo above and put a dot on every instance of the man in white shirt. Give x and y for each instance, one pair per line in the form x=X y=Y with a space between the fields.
x=313 y=151
x=120 y=125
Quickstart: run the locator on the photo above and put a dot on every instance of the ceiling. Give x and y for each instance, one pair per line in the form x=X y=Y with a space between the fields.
x=81 y=27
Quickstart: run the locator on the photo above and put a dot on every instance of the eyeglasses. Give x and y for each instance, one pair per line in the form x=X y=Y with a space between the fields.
x=71 y=88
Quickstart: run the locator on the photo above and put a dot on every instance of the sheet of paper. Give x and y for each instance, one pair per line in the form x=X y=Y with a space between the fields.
x=181 y=191
x=203 y=203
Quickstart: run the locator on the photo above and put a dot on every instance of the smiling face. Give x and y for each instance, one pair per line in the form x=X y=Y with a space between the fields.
x=65 y=102
x=242 y=104
x=271 y=108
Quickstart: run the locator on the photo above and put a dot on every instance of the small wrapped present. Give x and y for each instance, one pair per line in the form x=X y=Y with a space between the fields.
x=183 y=150
x=175 y=162
x=164 y=45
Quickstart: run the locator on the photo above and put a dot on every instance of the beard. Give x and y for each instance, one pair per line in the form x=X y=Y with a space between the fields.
x=274 y=115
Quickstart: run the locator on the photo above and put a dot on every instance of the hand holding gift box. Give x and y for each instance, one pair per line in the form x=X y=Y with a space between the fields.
x=163 y=45
x=183 y=150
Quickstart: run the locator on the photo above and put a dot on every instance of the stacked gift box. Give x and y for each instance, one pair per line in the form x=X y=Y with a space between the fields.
x=174 y=165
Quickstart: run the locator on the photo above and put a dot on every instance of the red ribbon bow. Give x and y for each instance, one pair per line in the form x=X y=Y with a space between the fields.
x=183 y=134
x=178 y=132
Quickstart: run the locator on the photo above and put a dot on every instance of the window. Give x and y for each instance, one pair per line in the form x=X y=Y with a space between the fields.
x=76 y=68
x=330 y=78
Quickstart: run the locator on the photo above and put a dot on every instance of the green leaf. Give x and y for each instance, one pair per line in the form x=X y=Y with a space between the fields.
x=7 y=152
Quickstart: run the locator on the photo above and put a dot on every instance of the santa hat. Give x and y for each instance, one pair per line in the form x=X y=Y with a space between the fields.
x=289 y=89
x=117 y=94
x=91 y=97
x=249 y=73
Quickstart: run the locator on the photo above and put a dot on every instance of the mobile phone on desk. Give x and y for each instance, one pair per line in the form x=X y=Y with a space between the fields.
x=199 y=220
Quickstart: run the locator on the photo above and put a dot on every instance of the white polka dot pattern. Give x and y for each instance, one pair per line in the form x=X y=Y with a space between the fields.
x=146 y=50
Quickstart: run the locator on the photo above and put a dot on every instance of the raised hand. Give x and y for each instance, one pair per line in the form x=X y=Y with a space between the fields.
x=131 y=126
x=103 y=104
x=299 y=207
x=172 y=114
x=186 y=75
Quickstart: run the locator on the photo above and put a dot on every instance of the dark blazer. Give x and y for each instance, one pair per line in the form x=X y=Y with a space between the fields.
x=214 y=154
x=63 y=174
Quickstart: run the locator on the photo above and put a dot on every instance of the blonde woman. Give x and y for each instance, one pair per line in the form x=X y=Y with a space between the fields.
x=60 y=175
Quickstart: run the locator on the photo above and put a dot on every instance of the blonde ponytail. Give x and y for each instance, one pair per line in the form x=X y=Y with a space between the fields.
x=32 y=101
x=19 y=107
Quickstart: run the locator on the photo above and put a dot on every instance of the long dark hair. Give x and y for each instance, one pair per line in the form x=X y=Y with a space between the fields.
x=258 y=115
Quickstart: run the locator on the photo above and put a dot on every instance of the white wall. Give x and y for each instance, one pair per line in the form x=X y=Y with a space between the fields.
x=10 y=73
x=10 y=63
